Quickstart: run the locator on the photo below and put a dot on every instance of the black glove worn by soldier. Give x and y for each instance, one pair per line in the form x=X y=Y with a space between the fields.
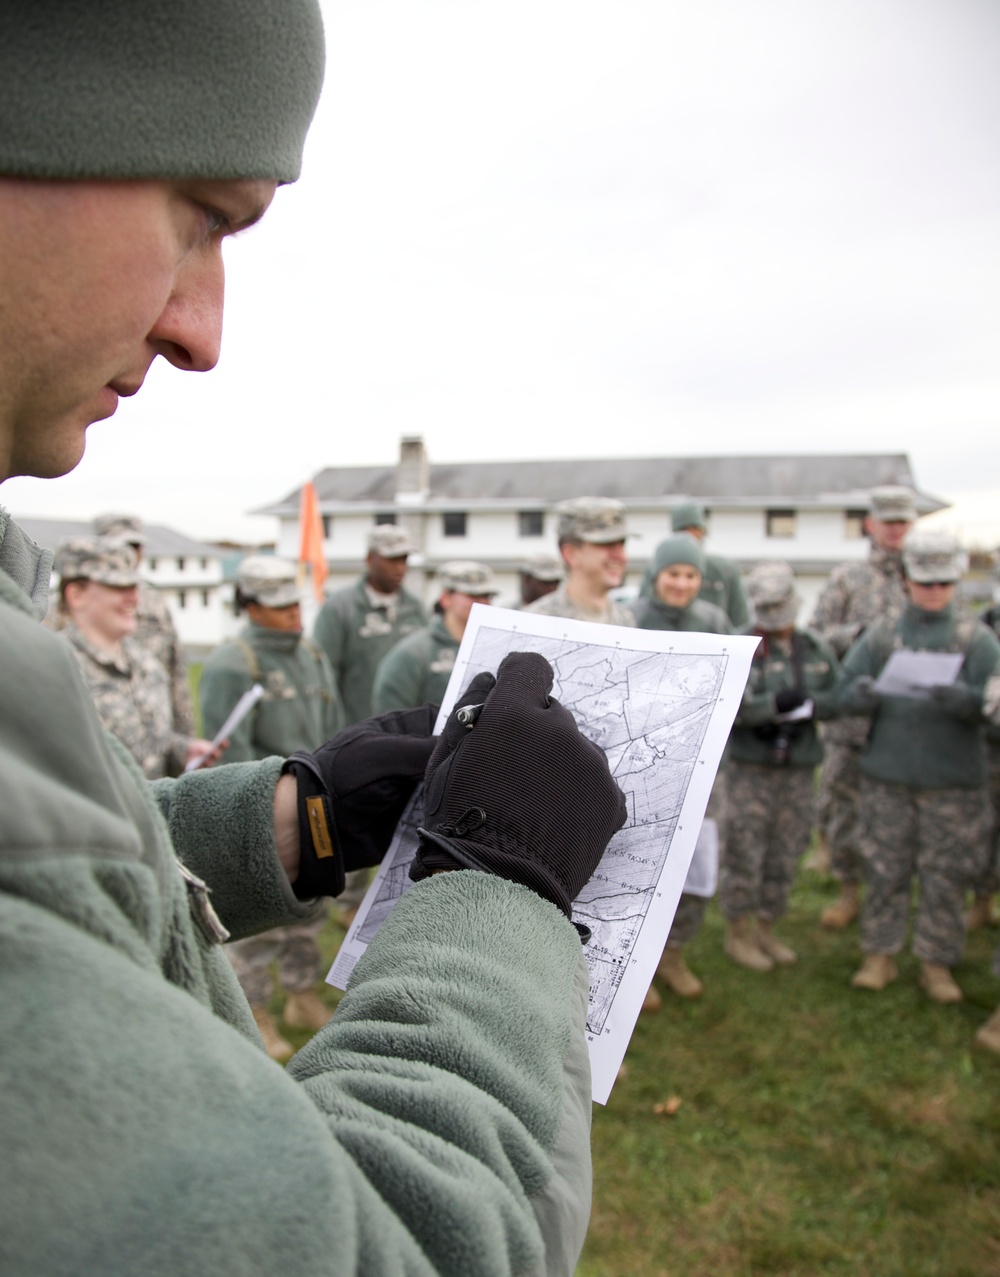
x=789 y=698
x=522 y=793
x=351 y=794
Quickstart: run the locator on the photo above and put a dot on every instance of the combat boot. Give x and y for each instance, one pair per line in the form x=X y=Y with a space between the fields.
x=277 y=1047
x=981 y=914
x=877 y=970
x=769 y=944
x=652 y=1001
x=818 y=859
x=741 y=945
x=936 y=981
x=844 y=909
x=306 y=1011
x=677 y=975
x=989 y=1035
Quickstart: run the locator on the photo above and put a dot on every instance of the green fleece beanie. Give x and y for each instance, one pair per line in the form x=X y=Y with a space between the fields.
x=688 y=515
x=217 y=89
x=679 y=549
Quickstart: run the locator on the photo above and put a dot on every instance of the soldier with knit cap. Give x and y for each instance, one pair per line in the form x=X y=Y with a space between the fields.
x=721 y=582
x=772 y=754
x=923 y=809
x=591 y=533
x=439 y=1124
x=155 y=629
x=857 y=595
x=674 y=605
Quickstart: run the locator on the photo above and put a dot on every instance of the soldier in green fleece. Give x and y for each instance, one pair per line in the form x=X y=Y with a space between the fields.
x=923 y=809
x=721 y=582
x=674 y=604
x=440 y=1123
x=299 y=709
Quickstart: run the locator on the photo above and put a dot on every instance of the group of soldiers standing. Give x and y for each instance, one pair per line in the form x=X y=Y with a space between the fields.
x=909 y=786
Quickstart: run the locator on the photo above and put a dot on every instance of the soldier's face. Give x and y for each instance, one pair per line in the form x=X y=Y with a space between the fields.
x=97 y=279
x=386 y=575
x=287 y=619
x=678 y=584
x=888 y=536
x=106 y=612
x=603 y=566
x=931 y=596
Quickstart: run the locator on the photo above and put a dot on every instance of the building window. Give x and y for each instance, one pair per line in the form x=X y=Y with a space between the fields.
x=204 y=565
x=327 y=526
x=454 y=523
x=180 y=565
x=152 y=564
x=854 y=524
x=781 y=523
x=182 y=598
x=205 y=598
x=387 y=516
x=531 y=523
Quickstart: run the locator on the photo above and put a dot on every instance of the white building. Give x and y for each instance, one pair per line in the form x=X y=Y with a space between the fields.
x=189 y=575
x=805 y=509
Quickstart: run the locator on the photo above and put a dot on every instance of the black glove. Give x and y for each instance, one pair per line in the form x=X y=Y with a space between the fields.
x=789 y=698
x=958 y=699
x=352 y=792
x=862 y=698
x=522 y=793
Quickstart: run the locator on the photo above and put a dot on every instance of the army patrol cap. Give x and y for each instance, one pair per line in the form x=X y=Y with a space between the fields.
x=892 y=504
x=261 y=578
x=600 y=520
x=689 y=515
x=929 y=555
x=390 y=542
x=123 y=527
x=543 y=567
x=101 y=559
x=467 y=577
x=679 y=549
x=771 y=589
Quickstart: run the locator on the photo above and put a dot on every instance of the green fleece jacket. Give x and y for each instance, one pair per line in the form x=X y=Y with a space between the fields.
x=699 y=617
x=356 y=633
x=300 y=708
x=774 y=668
x=438 y=1125
x=416 y=671
x=921 y=742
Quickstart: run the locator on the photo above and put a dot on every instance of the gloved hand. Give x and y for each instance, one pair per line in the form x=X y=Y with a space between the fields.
x=862 y=698
x=789 y=698
x=521 y=794
x=959 y=699
x=352 y=792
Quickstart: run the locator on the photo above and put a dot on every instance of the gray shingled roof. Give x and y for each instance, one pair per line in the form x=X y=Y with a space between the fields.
x=160 y=541
x=730 y=480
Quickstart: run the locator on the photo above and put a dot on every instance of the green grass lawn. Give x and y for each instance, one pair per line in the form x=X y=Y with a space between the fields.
x=820 y=1129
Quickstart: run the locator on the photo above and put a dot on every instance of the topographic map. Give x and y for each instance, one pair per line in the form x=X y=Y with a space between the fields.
x=660 y=704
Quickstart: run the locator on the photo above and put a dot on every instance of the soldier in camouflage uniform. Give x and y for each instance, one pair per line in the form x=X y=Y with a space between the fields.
x=99 y=580
x=981 y=914
x=771 y=760
x=988 y=1035
x=721 y=582
x=300 y=709
x=416 y=671
x=856 y=596
x=591 y=533
x=155 y=629
x=675 y=605
x=539 y=575
x=923 y=805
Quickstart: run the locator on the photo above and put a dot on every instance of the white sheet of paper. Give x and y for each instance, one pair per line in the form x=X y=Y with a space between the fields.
x=236 y=716
x=661 y=705
x=913 y=674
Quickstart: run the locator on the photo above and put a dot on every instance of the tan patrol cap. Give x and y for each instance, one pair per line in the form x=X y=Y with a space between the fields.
x=389 y=541
x=600 y=520
x=102 y=559
x=262 y=578
x=543 y=567
x=929 y=555
x=891 y=504
x=771 y=589
x=467 y=577
x=126 y=527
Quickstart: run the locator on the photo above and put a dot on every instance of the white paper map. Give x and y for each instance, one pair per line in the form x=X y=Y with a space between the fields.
x=660 y=704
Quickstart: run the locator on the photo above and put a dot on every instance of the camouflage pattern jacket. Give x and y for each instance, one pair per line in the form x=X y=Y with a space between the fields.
x=558 y=603
x=300 y=708
x=857 y=595
x=131 y=694
x=155 y=631
x=356 y=632
x=920 y=742
x=416 y=671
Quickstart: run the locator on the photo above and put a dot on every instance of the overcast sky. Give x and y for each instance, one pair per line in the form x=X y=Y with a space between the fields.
x=544 y=228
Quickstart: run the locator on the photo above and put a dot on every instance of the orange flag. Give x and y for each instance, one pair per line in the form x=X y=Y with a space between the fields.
x=311 y=541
